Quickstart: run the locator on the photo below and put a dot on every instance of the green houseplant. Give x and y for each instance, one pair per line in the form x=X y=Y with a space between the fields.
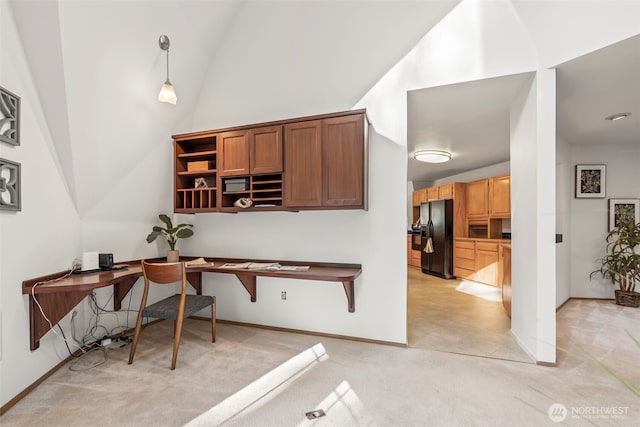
x=172 y=234
x=621 y=264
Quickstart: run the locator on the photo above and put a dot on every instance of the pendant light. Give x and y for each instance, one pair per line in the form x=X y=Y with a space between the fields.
x=167 y=93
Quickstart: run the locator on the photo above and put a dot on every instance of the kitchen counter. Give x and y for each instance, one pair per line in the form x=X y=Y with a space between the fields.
x=479 y=239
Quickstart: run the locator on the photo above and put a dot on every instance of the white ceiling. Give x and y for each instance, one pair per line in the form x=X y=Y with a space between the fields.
x=471 y=120
x=97 y=68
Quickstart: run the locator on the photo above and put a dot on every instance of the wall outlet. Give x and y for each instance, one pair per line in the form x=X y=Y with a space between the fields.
x=283 y=295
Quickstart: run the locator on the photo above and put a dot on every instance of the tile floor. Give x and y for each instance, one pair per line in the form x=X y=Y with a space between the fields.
x=441 y=317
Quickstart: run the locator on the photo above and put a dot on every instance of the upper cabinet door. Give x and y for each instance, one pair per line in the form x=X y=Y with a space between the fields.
x=478 y=199
x=303 y=164
x=234 y=153
x=265 y=146
x=500 y=196
x=343 y=161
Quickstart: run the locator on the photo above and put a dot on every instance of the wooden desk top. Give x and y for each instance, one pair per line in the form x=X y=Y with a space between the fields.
x=58 y=293
x=330 y=272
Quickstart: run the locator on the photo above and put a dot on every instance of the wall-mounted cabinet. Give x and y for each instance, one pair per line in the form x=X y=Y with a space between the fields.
x=196 y=188
x=500 y=196
x=317 y=162
x=478 y=199
x=325 y=163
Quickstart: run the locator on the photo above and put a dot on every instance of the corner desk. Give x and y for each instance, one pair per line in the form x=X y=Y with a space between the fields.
x=58 y=297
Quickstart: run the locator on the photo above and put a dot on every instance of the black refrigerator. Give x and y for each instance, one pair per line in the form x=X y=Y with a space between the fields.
x=438 y=217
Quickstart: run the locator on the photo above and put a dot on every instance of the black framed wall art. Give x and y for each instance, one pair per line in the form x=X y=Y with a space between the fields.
x=590 y=181
x=623 y=210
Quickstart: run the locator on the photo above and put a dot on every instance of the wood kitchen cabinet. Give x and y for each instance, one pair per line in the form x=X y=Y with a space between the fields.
x=500 y=196
x=487 y=263
x=325 y=163
x=505 y=282
x=478 y=199
x=464 y=252
x=432 y=194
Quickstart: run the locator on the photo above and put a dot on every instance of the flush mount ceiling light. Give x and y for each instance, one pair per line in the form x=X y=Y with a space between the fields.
x=167 y=93
x=618 y=116
x=432 y=156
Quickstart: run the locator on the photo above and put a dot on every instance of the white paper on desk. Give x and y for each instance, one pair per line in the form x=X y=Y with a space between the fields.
x=236 y=265
x=294 y=268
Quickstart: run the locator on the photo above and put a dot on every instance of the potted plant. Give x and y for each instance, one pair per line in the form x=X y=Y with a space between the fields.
x=180 y=231
x=622 y=263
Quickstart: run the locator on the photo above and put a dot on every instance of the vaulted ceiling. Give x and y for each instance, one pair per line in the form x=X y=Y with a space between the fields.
x=97 y=69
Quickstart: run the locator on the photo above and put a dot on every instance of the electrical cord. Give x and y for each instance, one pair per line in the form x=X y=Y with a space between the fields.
x=74 y=267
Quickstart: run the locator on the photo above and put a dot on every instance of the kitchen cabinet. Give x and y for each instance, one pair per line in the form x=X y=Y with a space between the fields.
x=413 y=256
x=478 y=199
x=325 y=163
x=481 y=260
x=500 y=196
x=464 y=253
x=445 y=191
x=419 y=197
x=505 y=280
x=487 y=263
x=432 y=194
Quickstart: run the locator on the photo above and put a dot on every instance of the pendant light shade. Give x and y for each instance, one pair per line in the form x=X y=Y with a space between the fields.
x=167 y=93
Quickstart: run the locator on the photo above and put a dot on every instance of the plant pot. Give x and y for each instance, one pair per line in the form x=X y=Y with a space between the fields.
x=173 y=256
x=627 y=299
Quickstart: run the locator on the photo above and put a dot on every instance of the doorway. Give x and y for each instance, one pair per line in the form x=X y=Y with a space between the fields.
x=459 y=316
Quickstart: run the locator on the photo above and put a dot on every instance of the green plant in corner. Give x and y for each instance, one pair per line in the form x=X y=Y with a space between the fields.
x=621 y=264
x=180 y=231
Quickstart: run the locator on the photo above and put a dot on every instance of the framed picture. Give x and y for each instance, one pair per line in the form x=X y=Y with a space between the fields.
x=9 y=185
x=590 y=181
x=623 y=210
x=9 y=117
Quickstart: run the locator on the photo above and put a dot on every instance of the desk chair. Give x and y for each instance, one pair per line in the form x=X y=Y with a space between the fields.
x=175 y=307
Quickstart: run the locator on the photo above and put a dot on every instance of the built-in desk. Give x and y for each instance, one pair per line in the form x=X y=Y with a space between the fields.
x=58 y=297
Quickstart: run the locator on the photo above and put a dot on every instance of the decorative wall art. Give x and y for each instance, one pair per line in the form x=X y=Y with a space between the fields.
x=9 y=117
x=623 y=210
x=590 y=181
x=9 y=185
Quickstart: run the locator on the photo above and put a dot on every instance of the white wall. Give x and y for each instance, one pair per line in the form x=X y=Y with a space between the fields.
x=564 y=194
x=43 y=238
x=590 y=218
x=350 y=236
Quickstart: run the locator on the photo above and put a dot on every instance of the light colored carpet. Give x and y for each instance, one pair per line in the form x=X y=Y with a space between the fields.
x=255 y=377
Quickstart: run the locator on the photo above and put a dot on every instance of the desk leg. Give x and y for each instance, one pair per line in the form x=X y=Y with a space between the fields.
x=195 y=279
x=249 y=283
x=120 y=290
x=55 y=307
x=350 y=290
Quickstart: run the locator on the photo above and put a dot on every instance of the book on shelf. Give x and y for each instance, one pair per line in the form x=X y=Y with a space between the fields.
x=269 y=266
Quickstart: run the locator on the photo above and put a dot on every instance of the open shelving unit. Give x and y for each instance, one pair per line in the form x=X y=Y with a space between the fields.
x=189 y=197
